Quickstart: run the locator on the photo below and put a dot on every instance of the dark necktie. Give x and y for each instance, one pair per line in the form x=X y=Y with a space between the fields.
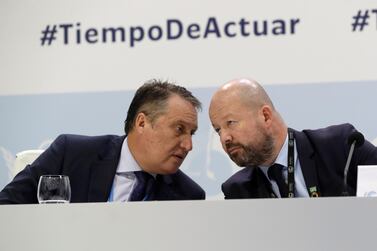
x=144 y=187
x=275 y=172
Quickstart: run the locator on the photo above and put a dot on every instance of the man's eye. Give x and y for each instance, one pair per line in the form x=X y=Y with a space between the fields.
x=217 y=130
x=231 y=122
x=179 y=129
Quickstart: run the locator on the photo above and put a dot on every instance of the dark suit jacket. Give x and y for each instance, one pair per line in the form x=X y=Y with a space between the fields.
x=90 y=163
x=322 y=154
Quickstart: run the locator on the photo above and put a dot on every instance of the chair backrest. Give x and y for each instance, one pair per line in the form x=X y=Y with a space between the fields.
x=24 y=158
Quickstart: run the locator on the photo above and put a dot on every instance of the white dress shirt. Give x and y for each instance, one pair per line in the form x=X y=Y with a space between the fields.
x=125 y=179
x=282 y=159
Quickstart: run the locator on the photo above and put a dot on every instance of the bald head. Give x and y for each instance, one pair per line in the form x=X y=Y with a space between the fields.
x=251 y=130
x=247 y=91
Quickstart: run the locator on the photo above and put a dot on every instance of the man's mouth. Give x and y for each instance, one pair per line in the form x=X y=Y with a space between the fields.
x=179 y=156
x=233 y=149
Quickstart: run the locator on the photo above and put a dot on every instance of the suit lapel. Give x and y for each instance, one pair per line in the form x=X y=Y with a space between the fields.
x=306 y=157
x=165 y=190
x=251 y=182
x=263 y=186
x=103 y=171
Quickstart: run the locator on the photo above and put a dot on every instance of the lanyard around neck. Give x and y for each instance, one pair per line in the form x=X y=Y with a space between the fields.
x=291 y=164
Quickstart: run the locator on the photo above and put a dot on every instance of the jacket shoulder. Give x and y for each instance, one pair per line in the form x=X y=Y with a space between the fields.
x=79 y=144
x=184 y=186
x=331 y=132
x=239 y=184
x=239 y=177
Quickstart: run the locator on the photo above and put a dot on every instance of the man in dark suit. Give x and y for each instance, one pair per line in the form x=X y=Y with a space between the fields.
x=160 y=123
x=280 y=161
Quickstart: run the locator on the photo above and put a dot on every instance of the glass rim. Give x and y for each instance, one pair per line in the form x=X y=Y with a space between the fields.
x=54 y=176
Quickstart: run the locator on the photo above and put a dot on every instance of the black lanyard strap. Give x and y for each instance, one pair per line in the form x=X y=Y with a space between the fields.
x=291 y=164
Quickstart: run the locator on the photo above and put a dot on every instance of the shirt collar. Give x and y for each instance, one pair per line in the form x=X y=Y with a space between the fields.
x=127 y=163
x=282 y=157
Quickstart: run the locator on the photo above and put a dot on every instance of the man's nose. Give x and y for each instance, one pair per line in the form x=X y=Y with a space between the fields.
x=225 y=137
x=187 y=143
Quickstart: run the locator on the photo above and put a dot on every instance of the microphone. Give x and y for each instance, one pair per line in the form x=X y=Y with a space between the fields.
x=356 y=139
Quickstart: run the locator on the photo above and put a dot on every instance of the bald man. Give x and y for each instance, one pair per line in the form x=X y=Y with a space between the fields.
x=255 y=136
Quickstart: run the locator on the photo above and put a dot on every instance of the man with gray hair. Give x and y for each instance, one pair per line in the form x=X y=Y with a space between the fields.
x=280 y=161
x=142 y=165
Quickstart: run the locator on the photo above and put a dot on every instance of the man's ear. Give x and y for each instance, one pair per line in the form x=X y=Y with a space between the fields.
x=266 y=113
x=140 y=122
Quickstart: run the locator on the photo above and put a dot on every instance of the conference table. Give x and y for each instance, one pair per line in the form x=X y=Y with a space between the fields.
x=344 y=223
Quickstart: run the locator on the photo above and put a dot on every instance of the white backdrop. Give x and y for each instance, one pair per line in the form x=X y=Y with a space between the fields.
x=72 y=66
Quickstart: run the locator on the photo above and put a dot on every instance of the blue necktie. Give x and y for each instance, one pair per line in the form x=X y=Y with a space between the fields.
x=275 y=172
x=144 y=187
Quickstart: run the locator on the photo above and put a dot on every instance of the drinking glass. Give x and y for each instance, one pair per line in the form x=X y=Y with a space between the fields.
x=54 y=189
